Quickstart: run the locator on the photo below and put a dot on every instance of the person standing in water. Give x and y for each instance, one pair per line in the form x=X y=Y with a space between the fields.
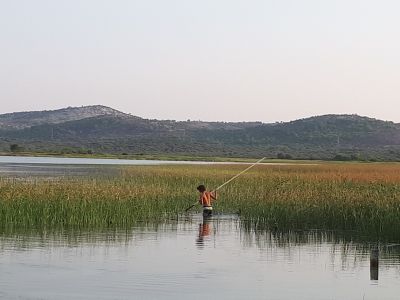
x=206 y=199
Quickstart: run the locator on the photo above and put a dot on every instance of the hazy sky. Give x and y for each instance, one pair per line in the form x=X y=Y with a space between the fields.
x=266 y=60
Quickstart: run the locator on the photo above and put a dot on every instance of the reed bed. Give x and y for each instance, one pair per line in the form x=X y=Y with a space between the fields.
x=361 y=197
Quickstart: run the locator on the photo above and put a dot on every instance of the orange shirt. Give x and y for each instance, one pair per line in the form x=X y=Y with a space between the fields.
x=205 y=199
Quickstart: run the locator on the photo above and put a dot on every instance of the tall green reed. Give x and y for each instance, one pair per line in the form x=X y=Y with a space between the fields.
x=340 y=197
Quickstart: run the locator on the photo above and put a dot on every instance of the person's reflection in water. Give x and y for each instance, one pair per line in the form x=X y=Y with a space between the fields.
x=205 y=229
x=374 y=264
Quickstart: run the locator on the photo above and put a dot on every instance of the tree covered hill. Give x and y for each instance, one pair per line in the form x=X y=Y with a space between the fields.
x=20 y=120
x=105 y=130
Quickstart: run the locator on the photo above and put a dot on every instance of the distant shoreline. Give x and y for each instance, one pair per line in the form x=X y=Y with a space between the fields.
x=184 y=158
x=155 y=157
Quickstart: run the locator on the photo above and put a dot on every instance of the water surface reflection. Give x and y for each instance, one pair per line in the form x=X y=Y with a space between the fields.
x=195 y=257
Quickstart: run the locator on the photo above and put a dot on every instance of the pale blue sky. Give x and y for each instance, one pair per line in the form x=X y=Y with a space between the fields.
x=266 y=60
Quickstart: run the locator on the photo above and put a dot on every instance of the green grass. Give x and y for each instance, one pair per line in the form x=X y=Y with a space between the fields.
x=365 y=198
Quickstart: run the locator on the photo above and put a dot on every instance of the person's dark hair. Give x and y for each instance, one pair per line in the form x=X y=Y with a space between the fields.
x=201 y=188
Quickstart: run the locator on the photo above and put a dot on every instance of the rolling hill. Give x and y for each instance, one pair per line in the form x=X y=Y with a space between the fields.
x=105 y=130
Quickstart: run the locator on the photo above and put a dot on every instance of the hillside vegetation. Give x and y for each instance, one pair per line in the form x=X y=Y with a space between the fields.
x=100 y=129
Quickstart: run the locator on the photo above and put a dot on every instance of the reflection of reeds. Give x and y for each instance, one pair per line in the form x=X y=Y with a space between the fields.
x=329 y=196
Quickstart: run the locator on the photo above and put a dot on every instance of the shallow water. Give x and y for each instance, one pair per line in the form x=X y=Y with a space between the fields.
x=196 y=259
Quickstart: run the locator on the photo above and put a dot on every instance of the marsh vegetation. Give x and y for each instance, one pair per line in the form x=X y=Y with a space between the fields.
x=359 y=197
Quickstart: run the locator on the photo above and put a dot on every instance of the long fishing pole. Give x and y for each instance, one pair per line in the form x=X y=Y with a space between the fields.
x=237 y=175
x=233 y=178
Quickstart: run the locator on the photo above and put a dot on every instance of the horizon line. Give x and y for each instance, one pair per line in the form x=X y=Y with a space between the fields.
x=192 y=120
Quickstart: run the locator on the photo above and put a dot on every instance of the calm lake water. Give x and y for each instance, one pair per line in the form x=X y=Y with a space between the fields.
x=61 y=166
x=194 y=259
x=87 y=161
x=25 y=166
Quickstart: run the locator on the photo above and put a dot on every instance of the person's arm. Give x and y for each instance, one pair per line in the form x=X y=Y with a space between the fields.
x=213 y=195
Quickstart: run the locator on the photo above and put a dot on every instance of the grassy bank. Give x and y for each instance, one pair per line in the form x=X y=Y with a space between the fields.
x=362 y=197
